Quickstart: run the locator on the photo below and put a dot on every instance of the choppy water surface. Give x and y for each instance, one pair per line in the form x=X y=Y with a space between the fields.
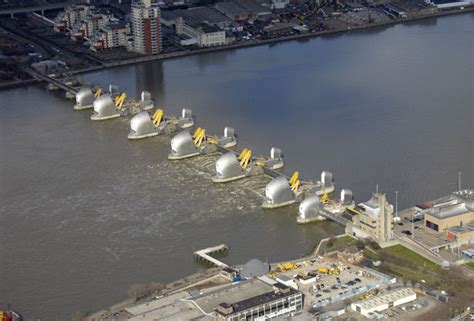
x=84 y=213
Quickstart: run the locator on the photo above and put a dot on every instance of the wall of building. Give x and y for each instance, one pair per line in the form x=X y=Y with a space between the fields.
x=448 y=222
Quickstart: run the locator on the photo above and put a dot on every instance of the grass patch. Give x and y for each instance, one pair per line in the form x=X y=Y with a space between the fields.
x=403 y=253
x=340 y=243
x=399 y=261
x=469 y=265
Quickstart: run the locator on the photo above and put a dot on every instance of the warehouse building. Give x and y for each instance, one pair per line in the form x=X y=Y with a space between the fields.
x=204 y=34
x=383 y=302
x=450 y=211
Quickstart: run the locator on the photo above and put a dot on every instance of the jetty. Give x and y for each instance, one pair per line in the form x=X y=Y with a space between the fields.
x=205 y=255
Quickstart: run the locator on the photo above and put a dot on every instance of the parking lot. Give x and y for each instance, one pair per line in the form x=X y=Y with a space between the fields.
x=322 y=288
x=417 y=230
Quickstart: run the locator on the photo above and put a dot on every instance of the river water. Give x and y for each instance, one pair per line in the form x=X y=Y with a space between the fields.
x=85 y=213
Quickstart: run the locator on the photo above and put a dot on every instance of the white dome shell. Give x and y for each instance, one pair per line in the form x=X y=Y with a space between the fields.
x=104 y=106
x=279 y=191
x=85 y=97
x=141 y=124
x=228 y=166
x=309 y=208
x=182 y=144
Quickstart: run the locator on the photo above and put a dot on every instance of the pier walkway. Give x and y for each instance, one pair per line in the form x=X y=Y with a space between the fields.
x=205 y=254
x=56 y=82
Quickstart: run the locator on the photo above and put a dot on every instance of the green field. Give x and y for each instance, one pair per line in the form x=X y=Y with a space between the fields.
x=400 y=261
x=470 y=265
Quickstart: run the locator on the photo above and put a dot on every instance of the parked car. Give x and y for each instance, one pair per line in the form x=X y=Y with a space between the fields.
x=406 y=232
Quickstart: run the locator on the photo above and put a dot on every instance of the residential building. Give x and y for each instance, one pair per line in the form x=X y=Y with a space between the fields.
x=67 y=19
x=112 y=36
x=146 y=28
x=88 y=25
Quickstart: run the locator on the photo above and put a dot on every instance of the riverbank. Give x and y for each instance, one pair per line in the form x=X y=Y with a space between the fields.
x=246 y=44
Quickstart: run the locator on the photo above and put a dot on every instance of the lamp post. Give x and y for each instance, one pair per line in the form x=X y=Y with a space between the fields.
x=396 y=203
x=459 y=180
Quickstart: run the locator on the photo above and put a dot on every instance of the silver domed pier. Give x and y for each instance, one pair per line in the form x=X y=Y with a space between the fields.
x=144 y=125
x=275 y=161
x=120 y=106
x=141 y=126
x=228 y=140
x=146 y=103
x=309 y=210
x=104 y=108
x=299 y=189
x=186 y=120
x=84 y=99
x=230 y=168
x=279 y=193
x=183 y=146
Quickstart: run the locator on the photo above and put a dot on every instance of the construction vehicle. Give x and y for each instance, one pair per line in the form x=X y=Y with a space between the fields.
x=335 y=271
x=323 y=270
x=286 y=266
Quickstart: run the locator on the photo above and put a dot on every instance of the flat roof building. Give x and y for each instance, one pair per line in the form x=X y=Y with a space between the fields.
x=384 y=302
x=450 y=211
x=250 y=300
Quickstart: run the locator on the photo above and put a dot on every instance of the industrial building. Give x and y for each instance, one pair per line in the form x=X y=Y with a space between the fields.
x=146 y=16
x=250 y=300
x=462 y=234
x=455 y=210
x=208 y=15
x=241 y=9
x=372 y=219
x=204 y=35
x=383 y=302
